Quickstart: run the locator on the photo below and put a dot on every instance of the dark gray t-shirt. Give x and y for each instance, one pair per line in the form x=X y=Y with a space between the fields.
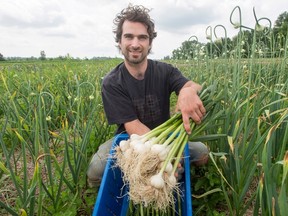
x=126 y=98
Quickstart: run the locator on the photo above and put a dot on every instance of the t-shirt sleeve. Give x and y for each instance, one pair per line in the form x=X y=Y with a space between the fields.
x=117 y=105
x=177 y=80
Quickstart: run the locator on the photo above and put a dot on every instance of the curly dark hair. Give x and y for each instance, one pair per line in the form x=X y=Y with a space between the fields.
x=137 y=13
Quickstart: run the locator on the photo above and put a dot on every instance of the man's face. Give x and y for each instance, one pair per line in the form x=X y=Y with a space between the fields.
x=134 y=42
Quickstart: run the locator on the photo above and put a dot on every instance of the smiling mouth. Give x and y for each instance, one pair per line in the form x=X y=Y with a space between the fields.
x=135 y=54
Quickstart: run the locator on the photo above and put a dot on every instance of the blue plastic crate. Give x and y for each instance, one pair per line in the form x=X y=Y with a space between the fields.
x=112 y=198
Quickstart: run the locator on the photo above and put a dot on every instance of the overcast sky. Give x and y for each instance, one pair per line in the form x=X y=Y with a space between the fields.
x=83 y=28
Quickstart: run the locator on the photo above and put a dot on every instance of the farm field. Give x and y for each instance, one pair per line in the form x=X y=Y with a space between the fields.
x=52 y=121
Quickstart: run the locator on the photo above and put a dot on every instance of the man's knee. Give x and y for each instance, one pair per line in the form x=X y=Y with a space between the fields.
x=97 y=164
x=95 y=170
x=199 y=153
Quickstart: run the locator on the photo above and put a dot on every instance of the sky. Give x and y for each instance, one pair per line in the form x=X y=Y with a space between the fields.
x=83 y=28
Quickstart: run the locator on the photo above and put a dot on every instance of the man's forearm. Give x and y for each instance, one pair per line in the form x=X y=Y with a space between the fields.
x=136 y=127
x=195 y=86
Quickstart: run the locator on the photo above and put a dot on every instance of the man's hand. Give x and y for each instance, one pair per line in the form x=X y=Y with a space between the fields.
x=190 y=104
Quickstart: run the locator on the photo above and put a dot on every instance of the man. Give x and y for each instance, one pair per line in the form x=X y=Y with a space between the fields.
x=136 y=94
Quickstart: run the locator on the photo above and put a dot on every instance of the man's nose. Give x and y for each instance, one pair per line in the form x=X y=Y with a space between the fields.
x=135 y=42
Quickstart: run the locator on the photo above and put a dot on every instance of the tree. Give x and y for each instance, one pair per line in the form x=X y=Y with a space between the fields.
x=42 y=55
x=281 y=25
x=280 y=33
x=188 y=50
x=2 y=57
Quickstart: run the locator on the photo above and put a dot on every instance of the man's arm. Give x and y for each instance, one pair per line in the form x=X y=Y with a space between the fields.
x=136 y=127
x=190 y=104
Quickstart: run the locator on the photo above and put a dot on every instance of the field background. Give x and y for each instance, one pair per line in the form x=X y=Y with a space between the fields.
x=52 y=121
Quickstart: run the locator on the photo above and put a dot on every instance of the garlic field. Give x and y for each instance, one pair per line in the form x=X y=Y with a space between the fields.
x=52 y=121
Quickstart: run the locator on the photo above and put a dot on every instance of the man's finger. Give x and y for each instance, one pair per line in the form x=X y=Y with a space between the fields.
x=186 y=123
x=203 y=110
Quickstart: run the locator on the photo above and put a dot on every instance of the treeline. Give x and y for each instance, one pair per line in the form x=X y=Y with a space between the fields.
x=43 y=57
x=60 y=58
x=266 y=42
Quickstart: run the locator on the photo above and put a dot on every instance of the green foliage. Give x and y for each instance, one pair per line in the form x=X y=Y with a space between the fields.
x=281 y=25
x=52 y=122
x=204 y=179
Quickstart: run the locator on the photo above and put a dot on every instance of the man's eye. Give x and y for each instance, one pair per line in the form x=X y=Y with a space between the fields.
x=129 y=37
x=143 y=37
